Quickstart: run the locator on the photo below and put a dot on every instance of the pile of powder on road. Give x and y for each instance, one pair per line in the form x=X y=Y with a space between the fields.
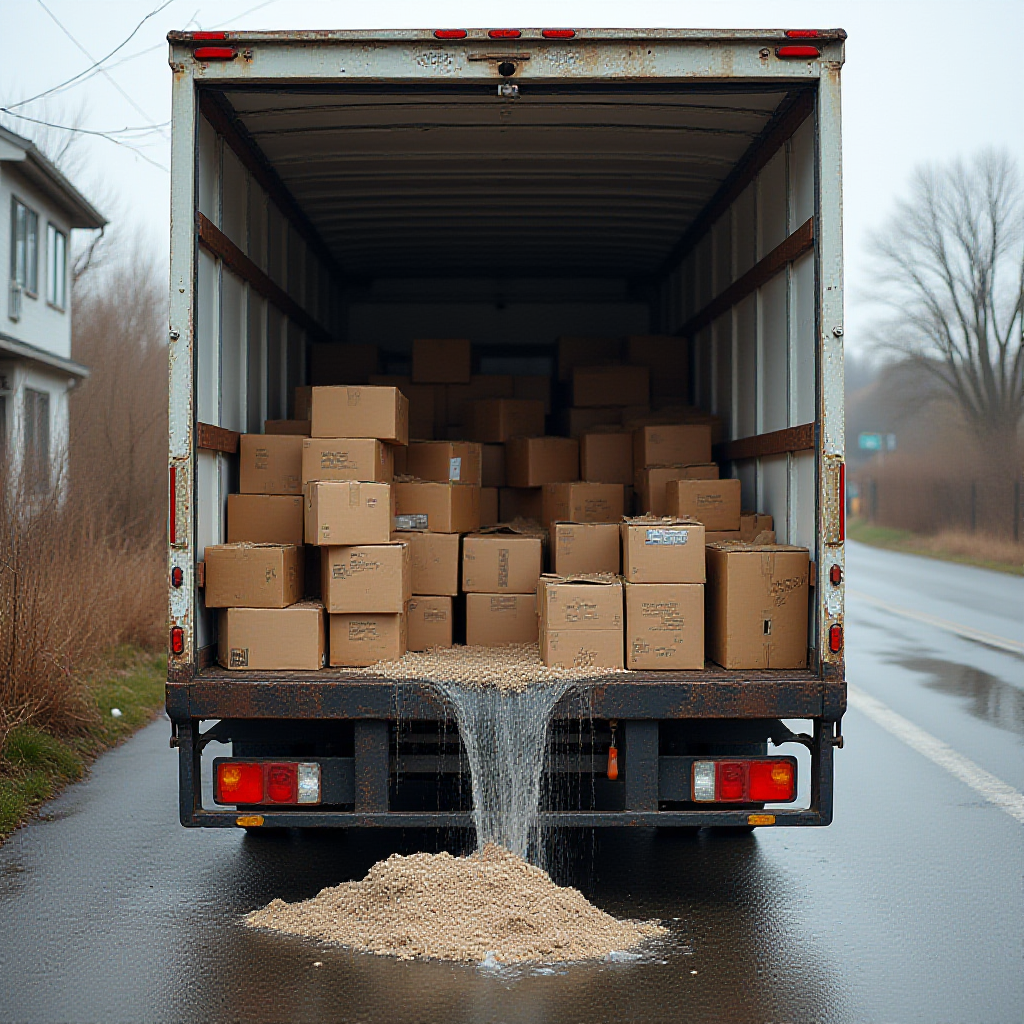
x=458 y=908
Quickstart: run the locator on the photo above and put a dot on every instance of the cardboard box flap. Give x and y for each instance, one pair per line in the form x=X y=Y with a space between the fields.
x=520 y=526
x=660 y=521
x=744 y=545
x=601 y=578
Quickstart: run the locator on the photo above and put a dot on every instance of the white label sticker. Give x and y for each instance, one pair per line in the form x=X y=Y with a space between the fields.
x=667 y=536
x=455 y=470
x=411 y=522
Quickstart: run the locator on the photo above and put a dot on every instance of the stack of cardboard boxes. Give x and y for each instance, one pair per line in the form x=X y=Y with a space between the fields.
x=581 y=621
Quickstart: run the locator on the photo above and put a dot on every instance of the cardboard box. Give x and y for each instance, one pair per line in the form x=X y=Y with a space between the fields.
x=536 y=386
x=585 y=548
x=270 y=464
x=576 y=422
x=757 y=605
x=489 y=506
x=586 y=351
x=253 y=575
x=715 y=503
x=442 y=360
x=360 y=639
x=494 y=620
x=610 y=385
x=500 y=419
x=347 y=458
x=583 y=503
x=456 y=462
x=493 y=474
x=503 y=562
x=480 y=386
x=520 y=503
x=754 y=523
x=579 y=603
x=265 y=519
x=331 y=364
x=664 y=626
x=434 y=558
x=607 y=457
x=426 y=403
x=377 y=412
x=439 y=508
x=302 y=400
x=581 y=648
x=672 y=444
x=348 y=512
x=429 y=623
x=269 y=639
x=667 y=360
x=296 y=427
x=663 y=550
x=652 y=482
x=366 y=577
x=535 y=461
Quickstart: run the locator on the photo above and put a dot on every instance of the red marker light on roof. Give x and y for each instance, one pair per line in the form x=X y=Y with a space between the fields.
x=449 y=33
x=835 y=638
x=209 y=35
x=796 y=52
x=214 y=53
x=801 y=33
x=558 y=33
x=177 y=576
x=504 y=33
x=835 y=575
x=177 y=640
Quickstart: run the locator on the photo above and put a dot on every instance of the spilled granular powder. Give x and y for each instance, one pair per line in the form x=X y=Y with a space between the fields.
x=458 y=908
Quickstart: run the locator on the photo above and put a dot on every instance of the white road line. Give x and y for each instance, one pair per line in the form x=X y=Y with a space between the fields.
x=991 y=788
x=969 y=633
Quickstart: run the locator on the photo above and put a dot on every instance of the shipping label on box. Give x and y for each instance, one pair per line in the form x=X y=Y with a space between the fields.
x=672 y=444
x=347 y=458
x=502 y=562
x=500 y=419
x=429 y=623
x=441 y=360
x=495 y=620
x=662 y=551
x=581 y=648
x=439 y=508
x=664 y=626
x=652 y=484
x=359 y=640
x=583 y=503
x=585 y=548
x=579 y=603
x=253 y=575
x=455 y=462
x=435 y=562
x=366 y=577
x=535 y=461
x=348 y=512
x=265 y=519
x=715 y=503
x=607 y=458
x=378 y=412
x=270 y=464
x=269 y=639
x=610 y=385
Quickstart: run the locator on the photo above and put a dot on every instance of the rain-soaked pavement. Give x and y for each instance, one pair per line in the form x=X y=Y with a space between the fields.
x=907 y=909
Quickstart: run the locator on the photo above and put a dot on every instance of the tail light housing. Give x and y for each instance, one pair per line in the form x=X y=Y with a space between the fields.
x=504 y=33
x=450 y=33
x=239 y=781
x=177 y=641
x=835 y=638
x=798 y=52
x=746 y=781
x=214 y=53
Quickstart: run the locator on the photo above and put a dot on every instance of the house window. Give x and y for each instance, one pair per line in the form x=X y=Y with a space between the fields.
x=57 y=266
x=25 y=247
x=37 y=441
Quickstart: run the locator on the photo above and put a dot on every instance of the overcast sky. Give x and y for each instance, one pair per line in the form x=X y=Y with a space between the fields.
x=924 y=81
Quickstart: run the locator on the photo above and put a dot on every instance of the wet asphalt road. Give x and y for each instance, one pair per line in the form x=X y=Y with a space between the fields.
x=909 y=908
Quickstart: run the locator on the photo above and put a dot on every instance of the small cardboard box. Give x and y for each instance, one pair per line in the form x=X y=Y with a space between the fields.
x=520 y=503
x=610 y=385
x=366 y=577
x=500 y=419
x=480 y=386
x=439 y=508
x=754 y=523
x=666 y=358
x=489 y=506
x=270 y=464
x=426 y=409
x=664 y=626
x=607 y=457
x=435 y=561
x=347 y=458
x=536 y=386
x=663 y=550
x=651 y=483
x=580 y=602
x=493 y=620
x=581 y=648
x=296 y=427
x=360 y=639
x=377 y=412
x=576 y=422
x=302 y=400
x=715 y=503
x=493 y=474
x=429 y=623
x=585 y=548
x=583 y=503
x=265 y=519
x=268 y=639
x=455 y=462
x=503 y=562
x=672 y=444
x=253 y=575
x=442 y=360
x=348 y=512
x=586 y=351
x=757 y=605
x=342 y=364
x=535 y=461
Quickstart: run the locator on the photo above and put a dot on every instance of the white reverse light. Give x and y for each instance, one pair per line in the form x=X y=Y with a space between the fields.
x=309 y=783
x=704 y=780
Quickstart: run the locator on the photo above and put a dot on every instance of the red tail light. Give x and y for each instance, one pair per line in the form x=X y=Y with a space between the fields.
x=504 y=33
x=835 y=638
x=449 y=33
x=214 y=53
x=282 y=783
x=266 y=782
x=209 y=35
x=802 y=33
x=177 y=640
x=806 y=52
x=558 y=33
x=764 y=780
x=177 y=576
x=771 y=781
x=835 y=575
x=238 y=782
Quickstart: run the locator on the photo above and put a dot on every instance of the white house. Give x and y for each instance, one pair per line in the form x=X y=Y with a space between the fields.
x=39 y=208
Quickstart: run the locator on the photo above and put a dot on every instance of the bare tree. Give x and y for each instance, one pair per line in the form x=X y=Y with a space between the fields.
x=951 y=270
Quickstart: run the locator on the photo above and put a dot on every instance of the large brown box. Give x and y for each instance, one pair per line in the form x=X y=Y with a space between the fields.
x=342 y=364
x=606 y=457
x=520 y=503
x=347 y=458
x=535 y=461
x=610 y=385
x=662 y=550
x=493 y=466
x=429 y=622
x=270 y=464
x=583 y=503
x=586 y=351
x=426 y=404
x=579 y=603
x=581 y=648
x=664 y=626
x=456 y=462
x=757 y=605
x=269 y=639
x=442 y=360
x=715 y=503
x=480 y=386
x=672 y=444
x=439 y=508
x=366 y=577
x=651 y=483
x=489 y=506
x=377 y=412
x=666 y=358
x=360 y=639
x=349 y=512
x=500 y=419
x=435 y=561
x=754 y=523
x=500 y=563
x=585 y=548
x=265 y=519
x=494 y=620
x=297 y=427
x=536 y=386
x=253 y=575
